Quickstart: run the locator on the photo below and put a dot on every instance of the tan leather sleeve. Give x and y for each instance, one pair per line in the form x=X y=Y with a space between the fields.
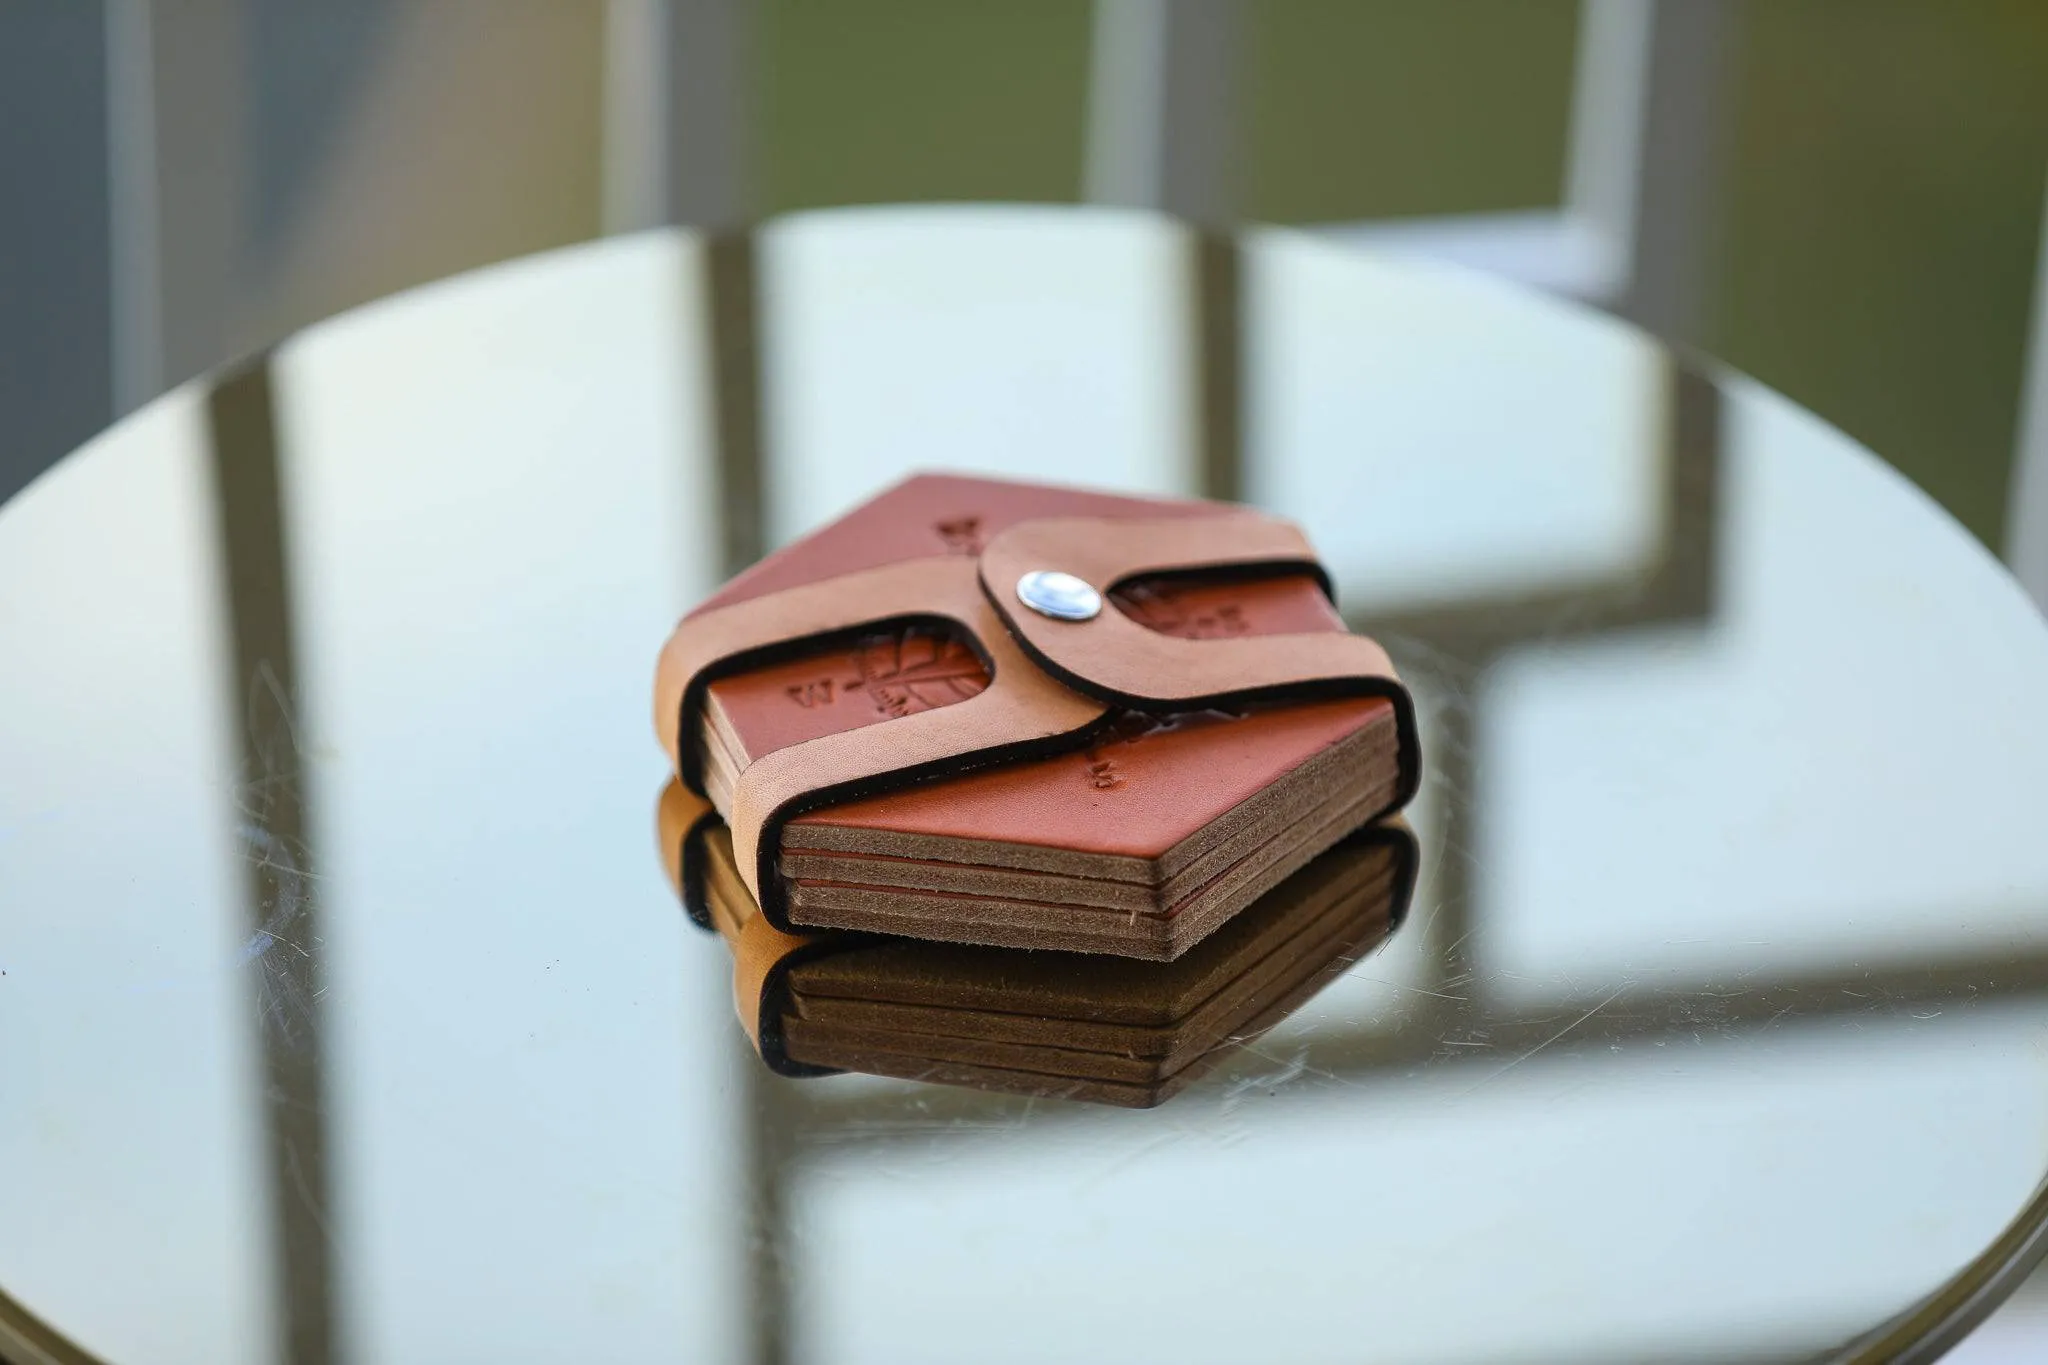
x=761 y=953
x=907 y=588
x=1021 y=711
x=759 y=956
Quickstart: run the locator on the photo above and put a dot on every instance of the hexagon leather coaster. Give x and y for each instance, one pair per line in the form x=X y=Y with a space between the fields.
x=1137 y=833
x=1089 y=1027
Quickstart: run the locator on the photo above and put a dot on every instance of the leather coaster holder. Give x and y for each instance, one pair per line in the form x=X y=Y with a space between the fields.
x=1054 y=684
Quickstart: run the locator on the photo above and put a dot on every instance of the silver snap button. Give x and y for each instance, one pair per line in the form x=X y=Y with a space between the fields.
x=1058 y=595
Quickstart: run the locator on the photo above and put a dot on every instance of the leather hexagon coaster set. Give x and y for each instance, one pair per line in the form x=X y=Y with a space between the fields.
x=1089 y=1027
x=1021 y=716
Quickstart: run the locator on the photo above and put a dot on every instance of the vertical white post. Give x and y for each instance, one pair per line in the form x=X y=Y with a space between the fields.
x=136 y=303
x=2026 y=534
x=635 y=170
x=1162 y=107
x=676 y=115
x=1648 y=112
x=1606 y=138
x=176 y=155
x=708 y=114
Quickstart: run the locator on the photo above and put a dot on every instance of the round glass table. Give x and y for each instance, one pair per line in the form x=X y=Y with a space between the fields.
x=346 y=1015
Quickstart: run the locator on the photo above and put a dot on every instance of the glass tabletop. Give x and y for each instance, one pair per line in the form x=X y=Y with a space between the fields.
x=346 y=1013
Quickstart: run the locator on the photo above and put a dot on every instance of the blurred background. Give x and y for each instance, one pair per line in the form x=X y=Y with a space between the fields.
x=1842 y=197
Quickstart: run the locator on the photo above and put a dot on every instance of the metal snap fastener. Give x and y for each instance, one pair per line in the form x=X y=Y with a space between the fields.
x=1058 y=595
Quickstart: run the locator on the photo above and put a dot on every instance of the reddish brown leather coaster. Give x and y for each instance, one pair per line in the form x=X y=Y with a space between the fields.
x=1106 y=832
x=1089 y=1027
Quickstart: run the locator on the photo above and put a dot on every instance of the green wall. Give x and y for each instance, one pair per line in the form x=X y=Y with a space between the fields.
x=1882 y=218
x=1876 y=230
x=872 y=101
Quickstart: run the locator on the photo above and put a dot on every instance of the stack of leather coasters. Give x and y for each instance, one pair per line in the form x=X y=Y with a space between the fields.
x=1016 y=716
x=1081 y=1026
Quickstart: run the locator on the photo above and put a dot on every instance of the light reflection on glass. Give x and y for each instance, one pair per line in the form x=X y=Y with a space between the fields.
x=133 y=1204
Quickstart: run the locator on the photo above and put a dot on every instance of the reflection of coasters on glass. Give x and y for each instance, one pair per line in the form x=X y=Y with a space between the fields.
x=1084 y=1026
x=997 y=713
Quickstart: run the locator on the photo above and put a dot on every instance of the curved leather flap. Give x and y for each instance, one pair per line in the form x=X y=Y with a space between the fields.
x=1115 y=659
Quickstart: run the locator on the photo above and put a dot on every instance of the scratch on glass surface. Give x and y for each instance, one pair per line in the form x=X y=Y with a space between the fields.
x=1458 y=942
x=266 y=683
x=284 y=1000
x=304 y=1191
x=1399 y=986
x=282 y=949
x=1181 y=1131
x=1220 y=1123
x=1612 y=996
x=1708 y=1009
x=1290 y=1069
x=855 y=1130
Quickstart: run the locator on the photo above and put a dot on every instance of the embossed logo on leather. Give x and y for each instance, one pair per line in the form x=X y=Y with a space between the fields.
x=899 y=674
x=961 y=535
x=916 y=670
x=1100 y=761
x=1173 y=609
x=808 y=695
x=1103 y=774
